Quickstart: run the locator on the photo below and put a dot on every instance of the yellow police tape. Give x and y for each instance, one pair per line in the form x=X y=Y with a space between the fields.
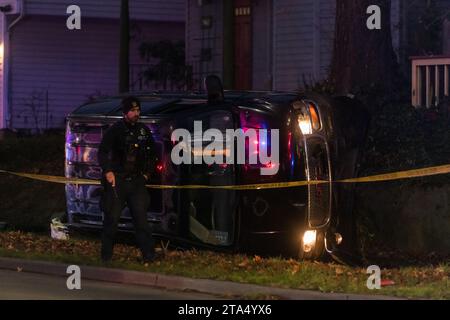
x=415 y=173
x=55 y=179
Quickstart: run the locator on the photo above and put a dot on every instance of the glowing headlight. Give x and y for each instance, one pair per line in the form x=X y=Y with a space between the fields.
x=309 y=240
x=308 y=119
x=304 y=122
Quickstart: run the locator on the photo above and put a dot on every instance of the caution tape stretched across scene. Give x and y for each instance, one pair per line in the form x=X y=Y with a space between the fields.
x=55 y=179
x=415 y=173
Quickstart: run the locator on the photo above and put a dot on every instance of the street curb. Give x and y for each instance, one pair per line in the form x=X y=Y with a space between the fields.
x=216 y=287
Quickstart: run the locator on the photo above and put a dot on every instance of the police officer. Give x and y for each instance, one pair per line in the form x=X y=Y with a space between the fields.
x=127 y=157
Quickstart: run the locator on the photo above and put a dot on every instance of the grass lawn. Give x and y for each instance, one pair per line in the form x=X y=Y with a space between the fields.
x=413 y=282
x=28 y=205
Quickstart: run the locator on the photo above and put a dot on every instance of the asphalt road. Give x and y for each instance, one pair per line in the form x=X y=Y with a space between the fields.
x=32 y=286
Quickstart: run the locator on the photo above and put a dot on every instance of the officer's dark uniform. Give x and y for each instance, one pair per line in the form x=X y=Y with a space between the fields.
x=128 y=151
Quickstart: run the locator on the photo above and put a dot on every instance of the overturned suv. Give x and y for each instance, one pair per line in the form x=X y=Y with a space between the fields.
x=319 y=139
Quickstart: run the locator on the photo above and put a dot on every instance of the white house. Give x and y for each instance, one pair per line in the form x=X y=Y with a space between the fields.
x=46 y=70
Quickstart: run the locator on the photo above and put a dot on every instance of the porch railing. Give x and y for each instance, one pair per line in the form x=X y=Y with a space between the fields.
x=429 y=80
x=161 y=80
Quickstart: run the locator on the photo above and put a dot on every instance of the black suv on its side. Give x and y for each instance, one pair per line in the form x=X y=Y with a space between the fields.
x=319 y=139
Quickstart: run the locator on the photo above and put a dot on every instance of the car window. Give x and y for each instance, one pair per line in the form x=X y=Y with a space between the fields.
x=102 y=107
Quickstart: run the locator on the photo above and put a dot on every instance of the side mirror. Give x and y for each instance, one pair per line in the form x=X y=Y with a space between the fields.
x=214 y=88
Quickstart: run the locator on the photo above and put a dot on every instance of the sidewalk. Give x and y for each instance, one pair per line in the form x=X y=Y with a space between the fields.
x=222 y=288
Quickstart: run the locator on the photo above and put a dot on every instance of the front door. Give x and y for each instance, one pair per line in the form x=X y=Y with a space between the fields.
x=242 y=45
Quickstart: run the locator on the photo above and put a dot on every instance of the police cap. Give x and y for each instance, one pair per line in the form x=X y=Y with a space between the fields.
x=129 y=103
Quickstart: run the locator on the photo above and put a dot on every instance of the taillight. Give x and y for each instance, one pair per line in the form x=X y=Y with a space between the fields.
x=159 y=167
x=255 y=145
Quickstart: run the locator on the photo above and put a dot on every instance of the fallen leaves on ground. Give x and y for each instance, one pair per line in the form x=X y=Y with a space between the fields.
x=295 y=269
x=236 y=267
x=339 y=271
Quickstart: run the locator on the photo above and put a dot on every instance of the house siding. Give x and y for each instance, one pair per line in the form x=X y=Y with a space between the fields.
x=193 y=34
x=47 y=58
x=293 y=43
x=327 y=19
x=413 y=10
x=262 y=45
x=446 y=27
x=154 y=10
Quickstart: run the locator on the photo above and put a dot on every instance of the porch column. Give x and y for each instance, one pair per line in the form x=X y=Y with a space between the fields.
x=3 y=75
